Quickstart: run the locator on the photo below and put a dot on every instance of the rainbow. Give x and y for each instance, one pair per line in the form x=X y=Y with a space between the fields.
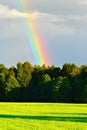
x=35 y=41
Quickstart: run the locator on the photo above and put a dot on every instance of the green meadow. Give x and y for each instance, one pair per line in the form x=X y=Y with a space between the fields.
x=43 y=116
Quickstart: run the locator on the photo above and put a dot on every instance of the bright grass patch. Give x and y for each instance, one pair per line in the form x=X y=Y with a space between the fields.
x=43 y=116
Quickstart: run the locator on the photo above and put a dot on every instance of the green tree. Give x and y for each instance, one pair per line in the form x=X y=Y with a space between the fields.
x=53 y=71
x=62 y=89
x=70 y=70
x=12 y=72
x=24 y=73
x=84 y=94
x=2 y=87
x=11 y=84
x=3 y=76
x=44 y=88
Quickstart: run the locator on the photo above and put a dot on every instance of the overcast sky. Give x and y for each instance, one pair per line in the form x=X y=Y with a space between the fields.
x=61 y=23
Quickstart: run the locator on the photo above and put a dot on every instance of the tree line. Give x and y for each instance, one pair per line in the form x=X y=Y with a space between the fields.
x=27 y=83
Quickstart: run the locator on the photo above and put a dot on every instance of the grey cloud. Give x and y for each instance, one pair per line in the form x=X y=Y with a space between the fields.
x=63 y=7
x=55 y=20
x=9 y=3
x=13 y=42
x=11 y=29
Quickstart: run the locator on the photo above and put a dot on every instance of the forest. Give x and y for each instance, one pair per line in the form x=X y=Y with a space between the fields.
x=27 y=83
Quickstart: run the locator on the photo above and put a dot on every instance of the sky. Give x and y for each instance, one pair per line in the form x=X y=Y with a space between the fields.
x=61 y=23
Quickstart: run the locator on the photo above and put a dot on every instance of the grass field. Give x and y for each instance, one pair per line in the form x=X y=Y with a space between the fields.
x=43 y=116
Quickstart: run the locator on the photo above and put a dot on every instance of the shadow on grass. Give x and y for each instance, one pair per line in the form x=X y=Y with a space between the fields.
x=82 y=114
x=49 y=118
